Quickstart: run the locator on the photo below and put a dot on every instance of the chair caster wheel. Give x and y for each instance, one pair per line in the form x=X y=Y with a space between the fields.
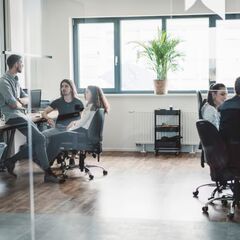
x=205 y=209
x=105 y=172
x=231 y=216
x=91 y=177
x=195 y=194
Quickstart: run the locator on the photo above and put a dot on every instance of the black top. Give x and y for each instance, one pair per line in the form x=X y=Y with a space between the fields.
x=68 y=111
x=230 y=119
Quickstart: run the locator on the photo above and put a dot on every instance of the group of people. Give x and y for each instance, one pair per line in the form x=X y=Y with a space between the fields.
x=225 y=116
x=72 y=116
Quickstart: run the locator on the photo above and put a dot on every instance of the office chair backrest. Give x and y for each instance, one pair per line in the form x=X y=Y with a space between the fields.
x=200 y=104
x=213 y=146
x=96 y=127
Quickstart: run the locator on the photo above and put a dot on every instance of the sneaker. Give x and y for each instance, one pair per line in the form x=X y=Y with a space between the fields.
x=10 y=165
x=51 y=177
x=71 y=163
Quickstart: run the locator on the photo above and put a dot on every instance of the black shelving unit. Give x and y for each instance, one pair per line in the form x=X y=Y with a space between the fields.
x=167 y=131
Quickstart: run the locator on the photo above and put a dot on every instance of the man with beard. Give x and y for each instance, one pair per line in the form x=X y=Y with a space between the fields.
x=69 y=107
x=12 y=103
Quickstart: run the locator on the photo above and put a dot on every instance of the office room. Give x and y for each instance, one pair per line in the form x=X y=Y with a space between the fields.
x=119 y=119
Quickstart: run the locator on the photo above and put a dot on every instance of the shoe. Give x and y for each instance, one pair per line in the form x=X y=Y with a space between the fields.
x=52 y=178
x=71 y=163
x=10 y=165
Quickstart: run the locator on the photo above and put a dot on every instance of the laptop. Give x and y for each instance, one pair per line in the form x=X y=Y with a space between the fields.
x=36 y=100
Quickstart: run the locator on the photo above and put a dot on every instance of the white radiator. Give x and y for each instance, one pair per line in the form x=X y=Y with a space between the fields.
x=143 y=127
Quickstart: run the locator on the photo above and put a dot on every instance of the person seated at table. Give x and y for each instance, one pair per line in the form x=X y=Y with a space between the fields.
x=95 y=99
x=230 y=126
x=69 y=108
x=12 y=103
x=217 y=94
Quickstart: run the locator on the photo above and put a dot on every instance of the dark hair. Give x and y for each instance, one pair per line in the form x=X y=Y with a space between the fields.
x=237 y=86
x=12 y=59
x=213 y=89
x=72 y=86
x=98 y=98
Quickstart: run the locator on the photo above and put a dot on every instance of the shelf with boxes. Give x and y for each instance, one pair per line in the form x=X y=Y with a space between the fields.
x=167 y=130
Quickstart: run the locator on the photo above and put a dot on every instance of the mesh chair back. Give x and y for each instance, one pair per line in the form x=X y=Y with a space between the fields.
x=214 y=148
x=96 y=127
x=201 y=102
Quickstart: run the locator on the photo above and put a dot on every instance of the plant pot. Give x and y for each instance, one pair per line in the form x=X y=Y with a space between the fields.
x=160 y=87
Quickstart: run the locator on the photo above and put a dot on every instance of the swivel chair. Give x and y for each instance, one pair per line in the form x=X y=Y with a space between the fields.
x=216 y=156
x=201 y=102
x=89 y=143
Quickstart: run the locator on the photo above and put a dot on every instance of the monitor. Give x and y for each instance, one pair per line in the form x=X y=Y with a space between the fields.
x=36 y=98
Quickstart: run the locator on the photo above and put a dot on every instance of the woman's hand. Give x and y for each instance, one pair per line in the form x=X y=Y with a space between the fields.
x=71 y=125
x=51 y=122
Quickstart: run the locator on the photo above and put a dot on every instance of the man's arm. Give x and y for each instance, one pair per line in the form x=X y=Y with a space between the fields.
x=45 y=115
x=7 y=95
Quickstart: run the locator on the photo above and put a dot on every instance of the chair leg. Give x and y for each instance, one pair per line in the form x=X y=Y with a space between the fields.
x=88 y=172
x=82 y=157
x=105 y=172
x=196 y=192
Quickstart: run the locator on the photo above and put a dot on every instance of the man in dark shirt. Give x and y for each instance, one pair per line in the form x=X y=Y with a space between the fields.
x=69 y=107
x=230 y=126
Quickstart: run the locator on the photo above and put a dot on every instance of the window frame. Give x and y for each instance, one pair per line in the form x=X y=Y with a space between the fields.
x=212 y=18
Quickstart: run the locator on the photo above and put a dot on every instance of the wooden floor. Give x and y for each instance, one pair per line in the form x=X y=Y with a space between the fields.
x=142 y=187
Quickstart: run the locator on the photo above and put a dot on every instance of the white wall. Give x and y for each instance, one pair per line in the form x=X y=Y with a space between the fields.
x=57 y=41
x=118 y=132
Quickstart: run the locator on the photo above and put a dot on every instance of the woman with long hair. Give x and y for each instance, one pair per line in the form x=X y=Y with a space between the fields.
x=217 y=94
x=95 y=99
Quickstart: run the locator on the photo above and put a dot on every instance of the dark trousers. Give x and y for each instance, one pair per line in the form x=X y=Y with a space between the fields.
x=38 y=143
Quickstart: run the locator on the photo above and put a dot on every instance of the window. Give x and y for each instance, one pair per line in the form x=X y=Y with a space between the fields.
x=134 y=72
x=227 y=51
x=96 y=54
x=194 y=34
x=106 y=53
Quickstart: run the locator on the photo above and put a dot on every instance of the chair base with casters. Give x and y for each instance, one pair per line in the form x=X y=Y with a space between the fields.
x=65 y=167
x=218 y=188
x=233 y=198
x=222 y=174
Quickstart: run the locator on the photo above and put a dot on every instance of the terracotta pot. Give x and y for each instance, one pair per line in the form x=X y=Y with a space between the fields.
x=160 y=87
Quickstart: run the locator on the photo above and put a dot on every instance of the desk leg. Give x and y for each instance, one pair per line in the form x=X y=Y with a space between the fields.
x=9 y=141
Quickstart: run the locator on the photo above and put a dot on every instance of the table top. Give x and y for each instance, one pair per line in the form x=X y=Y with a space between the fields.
x=35 y=117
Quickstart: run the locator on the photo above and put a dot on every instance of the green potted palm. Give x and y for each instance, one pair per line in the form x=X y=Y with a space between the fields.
x=162 y=56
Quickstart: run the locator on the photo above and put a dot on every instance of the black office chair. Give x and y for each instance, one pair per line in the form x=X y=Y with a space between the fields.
x=216 y=156
x=89 y=143
x=201 y=102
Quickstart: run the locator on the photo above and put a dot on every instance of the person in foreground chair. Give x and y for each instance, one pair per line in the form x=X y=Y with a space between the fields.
x=230 y=126
x=12 y=103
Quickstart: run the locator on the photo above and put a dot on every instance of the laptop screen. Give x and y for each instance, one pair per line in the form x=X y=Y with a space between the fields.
x=36 y=98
